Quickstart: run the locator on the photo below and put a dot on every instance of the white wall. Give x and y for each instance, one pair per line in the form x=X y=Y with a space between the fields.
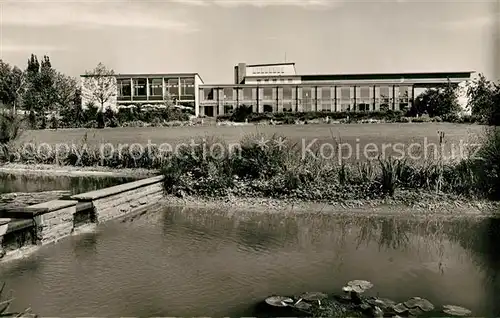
x=279 y=69
x=254 y=80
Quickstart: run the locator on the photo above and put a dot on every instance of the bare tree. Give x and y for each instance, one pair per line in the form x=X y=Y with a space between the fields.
x=100 y=87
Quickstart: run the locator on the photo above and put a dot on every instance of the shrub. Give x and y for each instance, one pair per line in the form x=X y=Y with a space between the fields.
x=10 y=129
x=451 y=118
x=487 y=164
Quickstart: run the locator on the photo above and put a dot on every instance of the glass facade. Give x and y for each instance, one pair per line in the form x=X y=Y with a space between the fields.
x=155 y=89
x=172 y=85
x=137 y=89
x=187 y=88
x=140 y=91
x=124 y=89
x=282 y=97
x=267 y=93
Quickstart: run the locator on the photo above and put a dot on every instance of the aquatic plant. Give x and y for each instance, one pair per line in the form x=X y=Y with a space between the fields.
x=355 y=304
x=5 y=304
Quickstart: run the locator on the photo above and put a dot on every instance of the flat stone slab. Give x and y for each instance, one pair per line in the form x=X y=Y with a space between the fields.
x=29 y=212
x=53 y=205
x=98 y=194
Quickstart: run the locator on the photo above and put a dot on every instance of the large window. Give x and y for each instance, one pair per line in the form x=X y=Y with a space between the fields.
x=139 y=88
x=326 y=93
x=403 y=91
x=267 y=93
x=187 y=88
x=124 y=89
x=228 y=93
x=155 y=88
x=364 y=92
x=345 y=93
x=208 y=93
x=172 y=87
x=306 y=93
x=287 y=93
x=247 y=93
x=384 y=92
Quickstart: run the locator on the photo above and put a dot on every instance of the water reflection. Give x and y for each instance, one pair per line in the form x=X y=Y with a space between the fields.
x=192 y=262
x=29 y=183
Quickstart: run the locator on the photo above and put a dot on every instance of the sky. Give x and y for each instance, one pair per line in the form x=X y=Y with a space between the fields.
x=211 y=36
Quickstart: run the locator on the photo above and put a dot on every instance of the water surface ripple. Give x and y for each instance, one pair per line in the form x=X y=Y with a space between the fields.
x=193 y=262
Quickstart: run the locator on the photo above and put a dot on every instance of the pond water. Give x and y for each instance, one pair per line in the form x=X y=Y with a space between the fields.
x=193 y=262
x=29 y=183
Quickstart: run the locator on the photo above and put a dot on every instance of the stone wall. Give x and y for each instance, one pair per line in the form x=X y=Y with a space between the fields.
x=51 y=221
x=56 y=223
x=118 y=201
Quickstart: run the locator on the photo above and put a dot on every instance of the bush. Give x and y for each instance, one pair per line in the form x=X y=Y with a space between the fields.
x=451 y=118
x=487 y=164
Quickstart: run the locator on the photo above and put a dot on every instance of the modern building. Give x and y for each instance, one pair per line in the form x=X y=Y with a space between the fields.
x=278 y=88
x=132 y=89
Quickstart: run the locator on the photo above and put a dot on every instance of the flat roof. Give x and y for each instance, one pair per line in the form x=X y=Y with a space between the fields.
x=271 y=64
x=153 y=75
x=392 y=76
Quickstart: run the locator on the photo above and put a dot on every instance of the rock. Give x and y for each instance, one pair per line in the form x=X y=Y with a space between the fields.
x=456 y=311
x=279 y=301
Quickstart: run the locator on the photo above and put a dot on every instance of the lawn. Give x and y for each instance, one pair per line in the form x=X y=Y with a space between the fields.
x=356 y=135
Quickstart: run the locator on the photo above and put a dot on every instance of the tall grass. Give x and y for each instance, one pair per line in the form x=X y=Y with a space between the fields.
x=282 y=172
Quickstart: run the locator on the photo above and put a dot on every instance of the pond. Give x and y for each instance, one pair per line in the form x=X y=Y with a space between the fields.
x=30 y=183
x=194 y=262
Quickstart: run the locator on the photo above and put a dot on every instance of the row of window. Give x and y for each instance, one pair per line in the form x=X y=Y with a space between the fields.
x=268 y=70
x=288 y=92
x=211 y=110
x=275 y=80
x=139 y=86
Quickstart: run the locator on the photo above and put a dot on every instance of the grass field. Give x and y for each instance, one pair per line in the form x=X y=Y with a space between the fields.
x=356 y=135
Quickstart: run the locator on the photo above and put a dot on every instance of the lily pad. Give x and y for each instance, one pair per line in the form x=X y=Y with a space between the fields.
x=417 y=302
x=363 y=284
x=302 y=306
x=354 y=288
x=400 y=308
x=415 y=312
x=313 y=296
x=383 y=303
x=279 y=301
x=377 y=312
x=456 y=311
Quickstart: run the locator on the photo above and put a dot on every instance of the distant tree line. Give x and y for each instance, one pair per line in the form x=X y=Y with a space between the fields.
x=46 y=98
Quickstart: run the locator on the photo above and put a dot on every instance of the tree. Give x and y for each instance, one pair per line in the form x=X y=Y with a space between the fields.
x=11 y=82
x=65 y=88
x=484 y=100
x=39 y=94
x=100 y=87
x=439 y=101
